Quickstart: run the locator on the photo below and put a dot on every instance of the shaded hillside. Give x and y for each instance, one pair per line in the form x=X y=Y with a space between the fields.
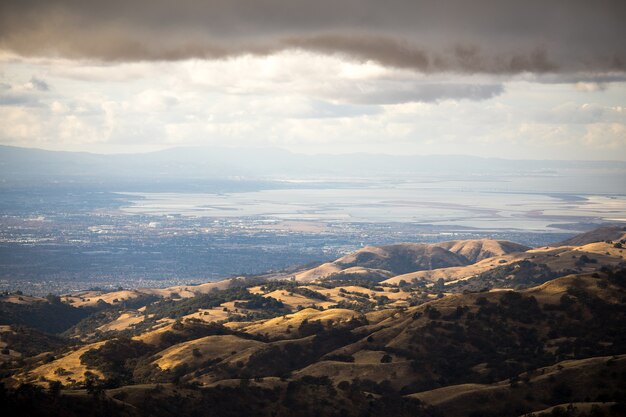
x=51 y=316
x=578 y=381
x=527 y=268
x=335 y=340
x=19 y=342
x=485 y=337
x=306 y=397
x=381 y=262
x=402 y=258
x=474 y=338
x=477 y=250
x=616 y=232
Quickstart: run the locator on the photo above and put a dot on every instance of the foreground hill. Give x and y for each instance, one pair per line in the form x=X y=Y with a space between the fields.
x=378 y=263
x=577 y=379
x=530 y=267
x=371 y=263
x=461 y=328
x=477 y=250
x=523 y=350
x=611 y=233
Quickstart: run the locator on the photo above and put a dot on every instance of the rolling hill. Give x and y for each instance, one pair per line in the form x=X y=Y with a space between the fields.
x=460 y=328
x=383 y=262
x=611 y=233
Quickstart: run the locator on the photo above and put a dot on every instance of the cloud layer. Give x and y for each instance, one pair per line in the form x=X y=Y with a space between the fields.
x=304 y=102
x=533 y=79
x=479 y=36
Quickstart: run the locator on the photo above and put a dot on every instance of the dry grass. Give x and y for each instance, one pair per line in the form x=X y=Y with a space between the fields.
x=579 y=408
x=268 y=382
x=380 y=316
x=474 y=250
x=208 y=314
x=21 y=299
x=12 y=354
x=479 y=249
x=580 y=376
x=208 y=348
x=372 y=357
x=317 y=273
x=603 y=248
x=557 y=259
x=292 y=300
x=398 y=374
x=153 y=336
x=123 y=322
x=441 y=395
x=286 y=326
x=341 y=293
x=456 y=273
x=551 y=291
x=91 y=298
x=187 y=291
x=66 y=369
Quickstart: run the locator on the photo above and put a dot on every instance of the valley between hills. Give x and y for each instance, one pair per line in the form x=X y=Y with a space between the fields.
x=461 y=328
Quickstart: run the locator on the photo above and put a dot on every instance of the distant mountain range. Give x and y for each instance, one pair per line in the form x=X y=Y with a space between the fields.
x=24 y=165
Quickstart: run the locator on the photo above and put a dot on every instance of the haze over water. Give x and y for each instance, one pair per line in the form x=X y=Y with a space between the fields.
x=526 y=203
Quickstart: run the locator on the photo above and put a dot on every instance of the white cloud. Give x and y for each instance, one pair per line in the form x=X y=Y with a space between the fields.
x=305 y=102
x=20 y=125
x=610 y=136
x=590 y=86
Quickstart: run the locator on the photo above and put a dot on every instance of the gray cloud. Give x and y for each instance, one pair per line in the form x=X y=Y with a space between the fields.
x=22 y=95
x=405 y=54
x=39 y=84
x=397 y=93
x=19 y=99
x=580 y=77
x=479 y=36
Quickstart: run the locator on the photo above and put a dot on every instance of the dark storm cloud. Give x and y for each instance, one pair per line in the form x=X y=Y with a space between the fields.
x=397 y=93
x=404 y=54
x=606 y=78
x=471 y=36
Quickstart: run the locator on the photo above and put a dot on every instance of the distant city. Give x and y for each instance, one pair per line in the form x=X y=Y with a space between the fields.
x=71 y=221
x=87 y=241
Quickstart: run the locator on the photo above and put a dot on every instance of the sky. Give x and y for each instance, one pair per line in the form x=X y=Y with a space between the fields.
x=495 y=78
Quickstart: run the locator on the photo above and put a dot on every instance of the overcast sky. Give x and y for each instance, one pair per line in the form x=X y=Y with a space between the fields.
x=513 y=79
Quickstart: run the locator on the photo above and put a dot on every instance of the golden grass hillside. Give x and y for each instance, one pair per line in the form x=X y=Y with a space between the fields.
x=479 y=249
x=195 y=352
x=286 y=326
x=91 y=298
x=123 y=322
x=67 y=369
x=385 y=261
x=557 y=260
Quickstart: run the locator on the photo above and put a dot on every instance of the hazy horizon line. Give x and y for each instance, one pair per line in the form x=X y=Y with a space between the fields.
x=321 y=154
